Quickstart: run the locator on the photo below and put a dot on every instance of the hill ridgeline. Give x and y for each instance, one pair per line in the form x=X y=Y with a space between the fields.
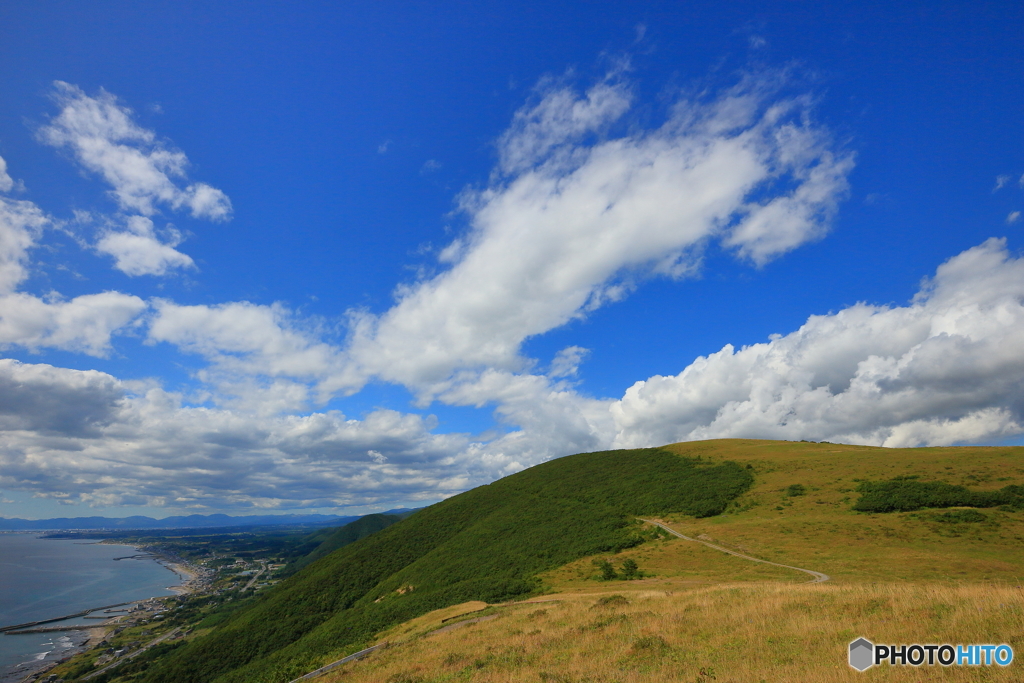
x=487 y=544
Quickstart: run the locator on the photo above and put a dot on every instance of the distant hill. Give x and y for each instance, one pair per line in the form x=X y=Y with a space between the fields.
x=486 y=544
x=179 y=522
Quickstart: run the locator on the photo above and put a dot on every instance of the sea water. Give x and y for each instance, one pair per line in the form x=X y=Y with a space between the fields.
x=44 y=578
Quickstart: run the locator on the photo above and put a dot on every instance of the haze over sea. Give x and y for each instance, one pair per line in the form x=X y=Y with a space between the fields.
x=44 y=578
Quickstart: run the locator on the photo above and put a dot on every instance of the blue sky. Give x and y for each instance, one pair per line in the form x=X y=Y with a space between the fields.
x=338 y=257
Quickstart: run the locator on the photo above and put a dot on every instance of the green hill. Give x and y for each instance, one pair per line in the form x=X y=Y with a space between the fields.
x=488 y=544
x=325 y=542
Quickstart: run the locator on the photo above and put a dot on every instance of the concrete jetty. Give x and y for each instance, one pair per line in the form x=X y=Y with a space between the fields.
x=52 y=629
x=30 y=624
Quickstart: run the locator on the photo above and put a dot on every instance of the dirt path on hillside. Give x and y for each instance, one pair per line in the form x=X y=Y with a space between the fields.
x=818 y=576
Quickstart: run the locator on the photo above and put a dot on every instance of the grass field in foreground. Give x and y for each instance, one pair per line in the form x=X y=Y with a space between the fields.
x=732 y=633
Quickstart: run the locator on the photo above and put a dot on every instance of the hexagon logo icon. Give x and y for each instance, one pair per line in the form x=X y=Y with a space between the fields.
x=862 y=654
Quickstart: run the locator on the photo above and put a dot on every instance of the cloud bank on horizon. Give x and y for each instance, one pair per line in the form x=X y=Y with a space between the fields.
x=583 y=206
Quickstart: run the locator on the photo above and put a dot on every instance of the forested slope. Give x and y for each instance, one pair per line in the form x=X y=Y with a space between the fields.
x=342 y=536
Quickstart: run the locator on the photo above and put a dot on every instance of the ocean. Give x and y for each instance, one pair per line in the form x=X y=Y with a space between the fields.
x=44 y=578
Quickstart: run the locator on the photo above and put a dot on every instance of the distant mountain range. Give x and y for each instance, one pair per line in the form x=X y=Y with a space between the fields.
x=180 y=522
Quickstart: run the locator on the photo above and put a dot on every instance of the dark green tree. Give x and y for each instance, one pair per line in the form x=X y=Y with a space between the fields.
x=607 y=570
x=630 y=570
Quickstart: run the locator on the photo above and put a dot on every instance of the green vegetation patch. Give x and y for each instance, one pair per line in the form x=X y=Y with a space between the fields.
x=341 y=537
x=905 y=494
x=961 y=517
x=486 y=544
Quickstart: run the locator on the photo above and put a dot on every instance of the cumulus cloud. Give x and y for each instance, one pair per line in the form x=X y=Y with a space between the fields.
x=138 y=250
x=21 y=223
x=86 y=437
x=84 y=324
x=142 y=170
x=242 y=339
x=581 y=207
x=945 y=369
x=574 y=217
x=56 y=402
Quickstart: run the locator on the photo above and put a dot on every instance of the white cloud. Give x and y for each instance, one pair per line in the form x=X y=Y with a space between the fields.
x=1001 y=182
x=573 y=219
x=86 y=437
x=6 y=182
x=21 y=223
x=138 y=250
x=243 y=339
x=560 y=116
x=575 y=215
x=567 y=361
x=1013 y=217
x=946 y=369
x=142 y=170
x=83 y=324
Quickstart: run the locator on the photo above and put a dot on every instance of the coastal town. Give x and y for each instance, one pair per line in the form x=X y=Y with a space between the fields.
x=109 y=640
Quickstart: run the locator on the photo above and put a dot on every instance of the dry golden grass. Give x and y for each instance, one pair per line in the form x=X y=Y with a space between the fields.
x=732 y=633
x=819 y=530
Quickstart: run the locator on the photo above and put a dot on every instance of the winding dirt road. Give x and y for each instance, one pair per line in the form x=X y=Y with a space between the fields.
x=818 y=576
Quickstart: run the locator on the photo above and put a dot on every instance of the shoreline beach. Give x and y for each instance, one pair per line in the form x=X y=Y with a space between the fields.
x=42 y=652
x=188 y=576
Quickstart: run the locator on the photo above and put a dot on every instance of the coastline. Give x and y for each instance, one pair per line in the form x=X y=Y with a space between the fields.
x=64 y=645
x=187 y=575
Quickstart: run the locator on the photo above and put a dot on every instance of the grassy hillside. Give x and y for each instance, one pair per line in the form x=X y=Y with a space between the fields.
x=734 y=633
x=487 y=544
x=932 y=570
x=821 y=528
x=327 y=543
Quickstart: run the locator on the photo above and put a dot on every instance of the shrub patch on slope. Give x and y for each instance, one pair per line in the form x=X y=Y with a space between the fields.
x=905 y=495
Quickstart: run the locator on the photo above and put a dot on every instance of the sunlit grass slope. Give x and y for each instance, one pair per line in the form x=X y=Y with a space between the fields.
x=731 y=633
x=487 y=544
x=820 y=530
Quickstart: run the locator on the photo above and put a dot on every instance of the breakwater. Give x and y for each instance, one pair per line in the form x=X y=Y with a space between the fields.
x=53 y=629
x=30 y=624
